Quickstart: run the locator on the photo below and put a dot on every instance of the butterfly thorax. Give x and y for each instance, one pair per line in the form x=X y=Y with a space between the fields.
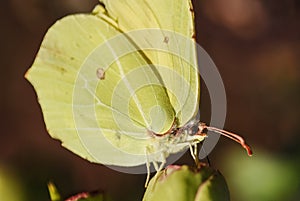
x=179 y=138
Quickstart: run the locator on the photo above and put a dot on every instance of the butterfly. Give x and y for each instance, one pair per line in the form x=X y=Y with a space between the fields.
x=120 y=86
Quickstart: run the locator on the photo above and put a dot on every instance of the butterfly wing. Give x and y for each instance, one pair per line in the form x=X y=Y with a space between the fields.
x=102 y=120
x=108 y=120
x=173 y=50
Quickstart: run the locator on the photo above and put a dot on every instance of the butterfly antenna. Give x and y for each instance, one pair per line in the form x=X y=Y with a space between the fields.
x=230 y=135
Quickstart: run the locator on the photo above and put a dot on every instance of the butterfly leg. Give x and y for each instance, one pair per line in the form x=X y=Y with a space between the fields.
x=148 y=168
x=196 y=154
x=192 y=151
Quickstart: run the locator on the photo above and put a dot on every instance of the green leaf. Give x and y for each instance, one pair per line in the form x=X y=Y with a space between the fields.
x=182 y=183
x=84 y=196
x=54 y=194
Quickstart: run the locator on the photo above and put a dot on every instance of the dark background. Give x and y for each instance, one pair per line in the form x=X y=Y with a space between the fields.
x=256 y=47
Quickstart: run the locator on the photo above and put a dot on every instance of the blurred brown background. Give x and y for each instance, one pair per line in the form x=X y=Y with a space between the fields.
x=256 y=47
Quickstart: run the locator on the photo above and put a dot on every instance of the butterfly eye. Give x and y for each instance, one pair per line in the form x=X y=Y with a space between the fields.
x=193 y=130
